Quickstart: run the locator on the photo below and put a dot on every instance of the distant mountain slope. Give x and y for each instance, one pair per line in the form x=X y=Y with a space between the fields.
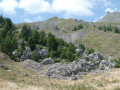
x=107 y=43
x=113 y=17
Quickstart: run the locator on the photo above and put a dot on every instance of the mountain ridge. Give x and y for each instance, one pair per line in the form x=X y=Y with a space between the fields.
x=111 y=17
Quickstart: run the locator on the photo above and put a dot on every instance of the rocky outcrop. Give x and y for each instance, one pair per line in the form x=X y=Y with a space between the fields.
x=28 y=49
x=4 y=56
x=81 y=51
x=32 y=65
x=16 y=53
x=47 y=61
x=43 y=52
x=76 y=69
x=26 y=54
x=113 y=17
x=106 y=65
x=95 y=56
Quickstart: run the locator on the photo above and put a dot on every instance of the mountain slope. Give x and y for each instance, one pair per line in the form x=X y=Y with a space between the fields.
x=111 y=17
x=107 y=43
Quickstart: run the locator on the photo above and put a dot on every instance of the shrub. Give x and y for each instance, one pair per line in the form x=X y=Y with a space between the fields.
x=79 y=27
x=63 y=54
x=81 y=46
x=57 y=60
x=52 y=54
x=75 y=28
x=118 y=63
x=56 y=28
x=77 y=54
x=36 y=37
x=25 y=32
x=40 y=46
x=31 y=43
x=109 y=28
x=52 y=43
x=70 y=56
x=42 y=37
x=48 y=55
x=117 y=66
x=91 y=51
x=35 y=56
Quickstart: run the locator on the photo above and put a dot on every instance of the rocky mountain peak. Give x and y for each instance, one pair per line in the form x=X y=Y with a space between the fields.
x=111 y=17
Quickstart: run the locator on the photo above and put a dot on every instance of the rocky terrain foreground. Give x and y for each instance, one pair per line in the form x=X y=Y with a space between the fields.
x=78 y=75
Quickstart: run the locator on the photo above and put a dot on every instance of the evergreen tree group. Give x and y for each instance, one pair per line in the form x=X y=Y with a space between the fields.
x=75 y=28
x=109 y=28
x=8 y=42
x=57 y=47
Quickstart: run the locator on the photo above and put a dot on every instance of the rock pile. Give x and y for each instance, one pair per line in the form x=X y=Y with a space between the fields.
x=28 y=53
x=47 y=61
x=93 y=63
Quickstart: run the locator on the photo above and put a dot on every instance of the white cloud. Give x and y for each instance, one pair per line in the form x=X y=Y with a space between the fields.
x=8 y=6
x=68 y=7
x=95 y=19
x=28 y=20
x=109 y=10
x=106 y=3
x=73 y=7
x=34 y=6
x=38 y=18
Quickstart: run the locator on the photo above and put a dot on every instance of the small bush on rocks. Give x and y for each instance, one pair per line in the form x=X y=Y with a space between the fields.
x=118 y=63
x=57 y=60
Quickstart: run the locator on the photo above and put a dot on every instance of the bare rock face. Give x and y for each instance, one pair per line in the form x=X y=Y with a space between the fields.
x=26 y=54
x=4 y=56
x=28 y=49
x=43 y=52
x=47 y=61
x=32 y=65
x=95 y=56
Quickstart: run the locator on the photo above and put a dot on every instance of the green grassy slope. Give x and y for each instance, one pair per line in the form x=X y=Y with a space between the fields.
x=107 y=43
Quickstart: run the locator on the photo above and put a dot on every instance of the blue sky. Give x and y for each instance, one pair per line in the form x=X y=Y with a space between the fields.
x=39 y=10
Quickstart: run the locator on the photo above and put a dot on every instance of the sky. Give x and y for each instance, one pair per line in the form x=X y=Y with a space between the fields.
x=20 y=11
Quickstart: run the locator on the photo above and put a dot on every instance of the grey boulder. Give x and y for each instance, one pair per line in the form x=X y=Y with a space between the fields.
x=32 y=65
x=47 y=61
x=95 y=56
x=43 y=52
x=16 y=53
x=28 y=49
x=1 y=66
